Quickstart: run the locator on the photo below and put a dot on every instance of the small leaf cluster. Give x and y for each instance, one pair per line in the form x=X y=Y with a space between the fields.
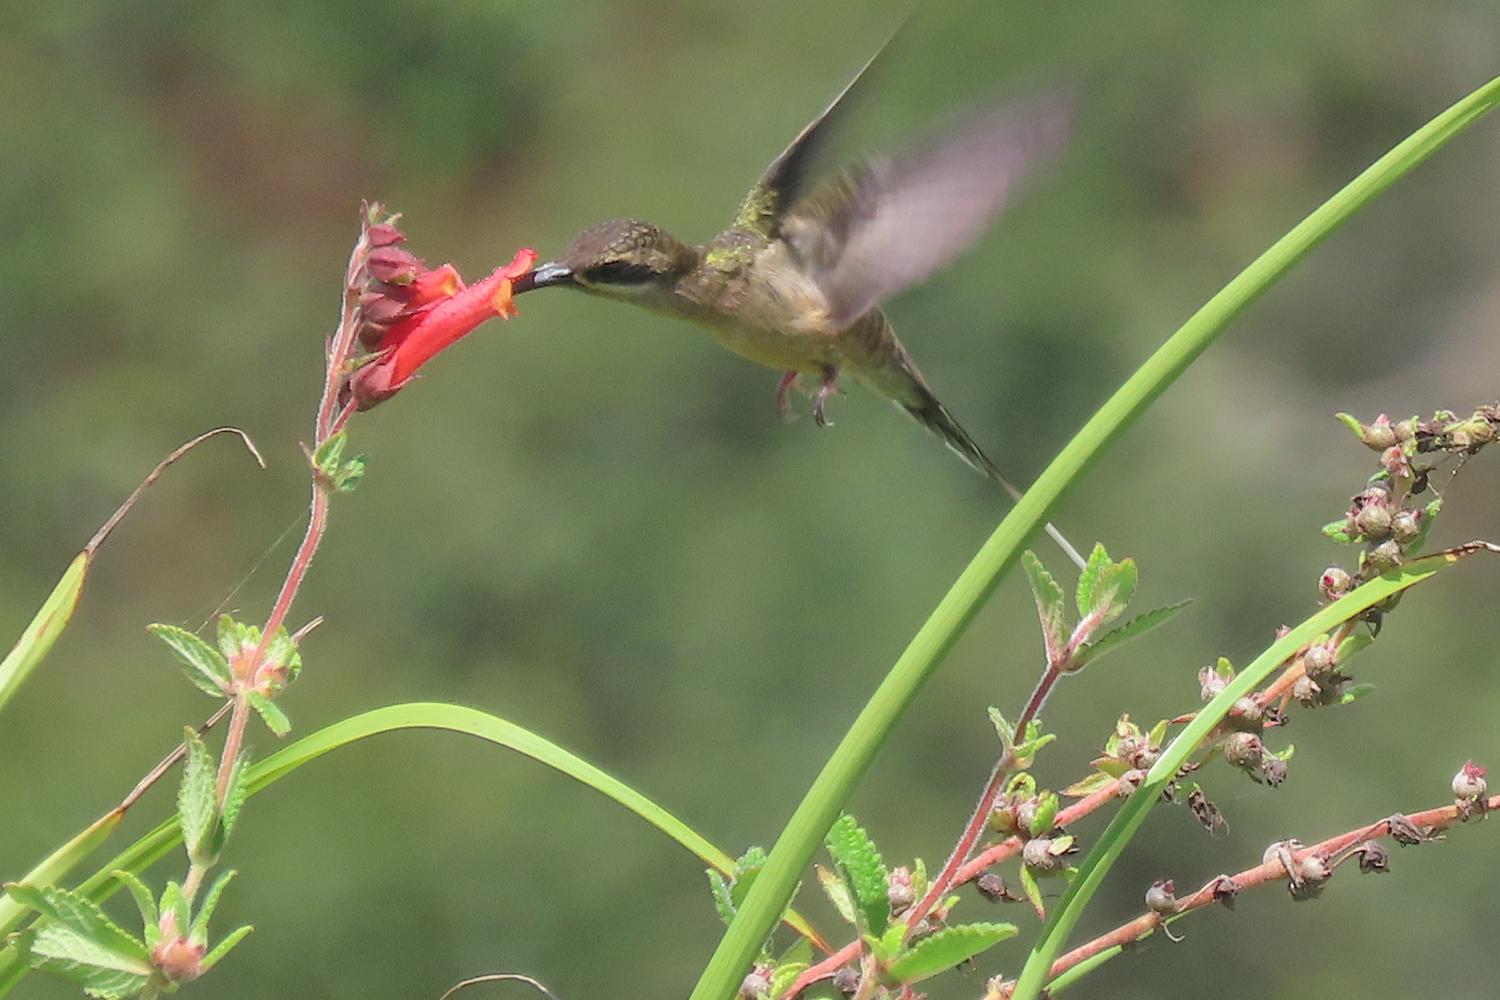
x=1128 y=754
x=1105 y=588
x=873 y=899
x=80 y=943
x=231 y=669
x=331 y=471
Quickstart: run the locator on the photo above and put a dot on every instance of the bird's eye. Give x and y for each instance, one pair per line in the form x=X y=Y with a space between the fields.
x=618 y=272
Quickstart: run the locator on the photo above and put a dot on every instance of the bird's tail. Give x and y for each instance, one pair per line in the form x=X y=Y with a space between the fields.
x=924 y=408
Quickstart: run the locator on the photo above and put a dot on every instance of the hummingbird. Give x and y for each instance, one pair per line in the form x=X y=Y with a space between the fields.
x=797 y=280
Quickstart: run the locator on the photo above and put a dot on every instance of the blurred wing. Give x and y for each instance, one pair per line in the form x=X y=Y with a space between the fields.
x=876 y=229
x=785 y=180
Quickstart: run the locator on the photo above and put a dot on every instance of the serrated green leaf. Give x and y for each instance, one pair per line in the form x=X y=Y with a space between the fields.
x=1354 y=692
x=235 y=637
x=1033 y=893
x=234 y=800
x=200 y=662
x=350 y=474
x=1113 y=590
x=1051 y=605
x=888 y=945
x=1098 y=561
x=746 y=868
x=947 y=948
x=918 y=879
x=1136 y=627
x=1003 y=728
x=199 y=933
x=175 y=903
x=1088 y=786
x=197 y=807
x=785 y=975
x=719 y=889
x=144 y=902
x=1336 y=531
x=326 y=458
x=1350 y=646
x=1046 y=811
x=224 y=947
x=79 y=915
x=270 y=713
x=1025 y=753
x=863 y=871
x=837 y=891
x=283 y=651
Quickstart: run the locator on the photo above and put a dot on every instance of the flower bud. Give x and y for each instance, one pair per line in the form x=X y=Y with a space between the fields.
x=757 y=985
x=1395 y=461
x=1210 y=683
x=1306 y=691
x=1469 y=783
x=992 y=887
x=1243 y=750
x=1373 y=521
x=1386 y=555
x=898 y=888
x=1003 y=819
x=846 y=980
x=1317 y=660
x=1373 y=857
x=1406 y=525
x=1380 y=435
x=178 y=960
x=1334 y=583
x=1246 y=714
x=1160 y=898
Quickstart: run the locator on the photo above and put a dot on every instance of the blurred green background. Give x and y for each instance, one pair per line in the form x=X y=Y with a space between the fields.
x=590 y=521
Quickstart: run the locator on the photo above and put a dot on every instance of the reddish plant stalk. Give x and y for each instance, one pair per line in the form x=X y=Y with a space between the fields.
x=328 y=423
x=1433 y=820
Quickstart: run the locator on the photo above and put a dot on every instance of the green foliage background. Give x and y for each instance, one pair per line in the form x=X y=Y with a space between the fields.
x=590 y=521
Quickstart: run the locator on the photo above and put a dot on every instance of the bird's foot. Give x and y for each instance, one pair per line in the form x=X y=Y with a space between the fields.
x=826 y=388
x=789 y=381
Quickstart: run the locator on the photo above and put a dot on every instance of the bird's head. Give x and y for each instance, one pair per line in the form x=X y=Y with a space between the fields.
x=622 y=259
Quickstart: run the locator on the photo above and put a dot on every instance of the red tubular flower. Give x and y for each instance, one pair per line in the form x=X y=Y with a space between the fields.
x=409 y=312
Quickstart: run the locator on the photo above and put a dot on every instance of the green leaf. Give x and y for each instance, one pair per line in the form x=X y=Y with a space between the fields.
x=1349 y=646
x=200 y=662
x=863 y=870
x=718 y=887
x=746 y=867
x=947 y=948
x=785 y=975
x=350 y=474
x=1046 y=812
x=144 y=902
x=1051 y=607
x=1354 y=692
x=1350 y=422
x=283 y=651
x=199 y=932
x=175 y=902
x=53 y=868
x=224 y=947
x=235 y=637
x=79 y=915
x=837 y=891
x=270 y=713
x=1097 y=563
x=1114 y=590
x=1286 y=754
x=50 y=620
x=1336 y=530
x=1136 y=627
x=887 y=946
x=1088 y=786
x=1433 y=509
x=197 y=809
x=1033 y=892
x=234 y=800
x=326 y=458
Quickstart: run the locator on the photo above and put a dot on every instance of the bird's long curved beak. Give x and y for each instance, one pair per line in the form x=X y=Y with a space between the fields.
x=550 y=273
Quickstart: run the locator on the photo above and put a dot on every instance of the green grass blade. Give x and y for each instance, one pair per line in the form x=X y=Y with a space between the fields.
x=453 y=718
x=803 y=833
x=44 y=629
x=1123 y=826
x=52 y=869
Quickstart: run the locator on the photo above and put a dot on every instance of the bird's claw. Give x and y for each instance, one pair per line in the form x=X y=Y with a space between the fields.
x=826 y=388
x=789 y=381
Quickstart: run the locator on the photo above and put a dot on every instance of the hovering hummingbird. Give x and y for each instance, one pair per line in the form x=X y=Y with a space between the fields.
x=797 y=281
